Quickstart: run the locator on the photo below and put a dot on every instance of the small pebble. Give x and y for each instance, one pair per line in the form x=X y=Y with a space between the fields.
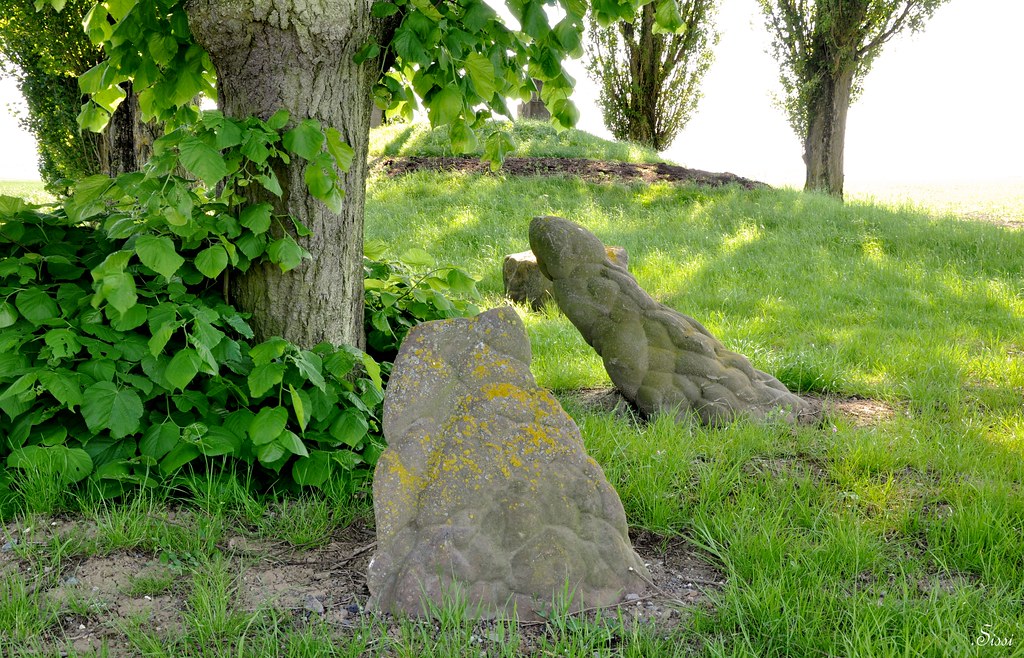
x=632 y=596
x=313 y=605
x=81 y=627
x=352 y=609
x=9 y=546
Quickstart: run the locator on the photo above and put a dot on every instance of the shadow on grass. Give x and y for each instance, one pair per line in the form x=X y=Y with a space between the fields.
x=853 y=298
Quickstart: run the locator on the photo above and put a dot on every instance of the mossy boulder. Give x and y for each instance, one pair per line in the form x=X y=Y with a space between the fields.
x=658 y=358
x=485 y=489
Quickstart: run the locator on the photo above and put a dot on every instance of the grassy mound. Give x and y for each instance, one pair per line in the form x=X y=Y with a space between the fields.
x=534 y=139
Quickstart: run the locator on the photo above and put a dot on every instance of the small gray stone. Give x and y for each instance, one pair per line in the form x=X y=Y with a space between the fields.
x=485 y=490
x=525 y=284
x=313 y=604
x=8 y=546
x=658 y=358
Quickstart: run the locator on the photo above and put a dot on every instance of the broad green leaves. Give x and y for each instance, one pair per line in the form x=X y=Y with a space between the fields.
x=105 y=407
x=158 y=254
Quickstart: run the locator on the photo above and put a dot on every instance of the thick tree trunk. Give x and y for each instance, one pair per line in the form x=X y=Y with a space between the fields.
x=826 y=134
x=297 y=55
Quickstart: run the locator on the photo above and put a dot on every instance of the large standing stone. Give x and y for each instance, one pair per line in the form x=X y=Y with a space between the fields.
x=659 y=359
x=486 y=486
x=525 y=284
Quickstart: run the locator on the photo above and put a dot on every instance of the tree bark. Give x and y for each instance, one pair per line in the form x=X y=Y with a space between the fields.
x=126 y=143
x=297 y=55
x=826 y=133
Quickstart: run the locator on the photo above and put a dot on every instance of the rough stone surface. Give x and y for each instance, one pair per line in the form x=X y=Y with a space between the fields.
x=485 y=487
x=525 y=284
x=660 y=359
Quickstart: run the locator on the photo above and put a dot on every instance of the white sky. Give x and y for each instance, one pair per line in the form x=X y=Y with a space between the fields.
x=943 y=105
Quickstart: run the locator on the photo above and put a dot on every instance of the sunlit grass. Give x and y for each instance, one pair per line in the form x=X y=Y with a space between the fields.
x=898 y=536
x=31 y=191
x=534 y=139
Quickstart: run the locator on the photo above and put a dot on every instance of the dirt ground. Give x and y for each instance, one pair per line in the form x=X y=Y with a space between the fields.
x=97 y=594
x=593 y=171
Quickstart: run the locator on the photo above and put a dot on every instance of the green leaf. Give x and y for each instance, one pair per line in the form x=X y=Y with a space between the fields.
x=20 y=385
x=298 y=407
x=109 y=98
x=69 y=465
x=534 y=20
x=417 y=257
x=408 y=46
x=286 y=253
x=158 y=440
x=182 y=368
x=667 y=16
x=292 y=443
x=36 y=306
x=350 y=428
x=219 y=441
x=268 y=350
x=161 y=336
x=256 y=217
x=462 y=137
x=8 y=314
x=314 y=470
x=369 y=50
x=119 y=290
x=203 y=161
x=268 y=425
x=268 y=453
x=445 y=106
x=264 y=377
x=63 y=343
x=93 y=117
x=498 y=145
x=319 y=182
x=305 y=139
x=311 y=367
x=120 y=8
x=105 y=407
x=162 y=47
x=182 y=454
x=382 y=9
x=63 y=385
x=373 y=371
x=341 y=151
x=481 y=74
x=158 y=254
x=212 y=261
x=279 y=120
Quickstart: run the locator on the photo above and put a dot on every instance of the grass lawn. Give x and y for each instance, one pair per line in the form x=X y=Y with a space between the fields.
x=896 y=532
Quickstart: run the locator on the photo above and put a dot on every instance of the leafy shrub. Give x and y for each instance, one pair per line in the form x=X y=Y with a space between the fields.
x=120 y=361
x=403 y=293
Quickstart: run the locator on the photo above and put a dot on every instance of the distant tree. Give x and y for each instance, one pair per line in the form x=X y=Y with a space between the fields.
x=46 y=52
x=825 y=48
x=649 y=80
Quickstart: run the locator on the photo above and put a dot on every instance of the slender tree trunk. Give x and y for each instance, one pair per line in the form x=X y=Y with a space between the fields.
x=297 y=55
x=826 y=134
x=127 y=142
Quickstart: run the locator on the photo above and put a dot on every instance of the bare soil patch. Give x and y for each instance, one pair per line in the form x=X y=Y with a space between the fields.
x=592 y=171
x=95 y=597
x=862 y=412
